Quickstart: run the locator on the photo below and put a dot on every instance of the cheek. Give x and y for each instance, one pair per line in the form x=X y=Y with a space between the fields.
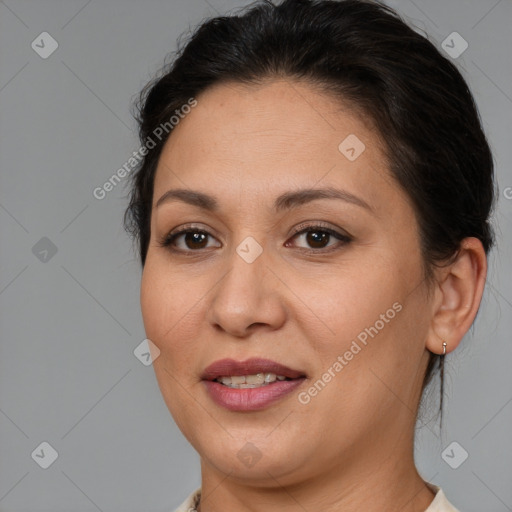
x=345 y=304
x=161 y=310
x=153 y=302
x=366 y=335
x=170 y=307
x=164 y=293
x=374 y=342
x=160 y=305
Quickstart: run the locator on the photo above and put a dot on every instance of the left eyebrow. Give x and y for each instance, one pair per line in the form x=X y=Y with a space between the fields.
x=285 y=201
x=296 y=198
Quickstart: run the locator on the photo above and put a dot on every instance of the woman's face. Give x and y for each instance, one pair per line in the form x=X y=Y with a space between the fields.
x=331 y=288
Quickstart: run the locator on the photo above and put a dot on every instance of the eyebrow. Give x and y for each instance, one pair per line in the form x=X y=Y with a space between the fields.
x=285 y=201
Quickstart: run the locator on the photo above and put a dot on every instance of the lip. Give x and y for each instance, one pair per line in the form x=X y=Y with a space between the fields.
x=229 y=367
x=249 y=399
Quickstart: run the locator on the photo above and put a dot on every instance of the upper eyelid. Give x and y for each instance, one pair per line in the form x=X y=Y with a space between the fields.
x=298 y=229
x=304 y=226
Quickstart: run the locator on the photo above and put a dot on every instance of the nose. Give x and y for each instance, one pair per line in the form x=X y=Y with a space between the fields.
x=248 y=297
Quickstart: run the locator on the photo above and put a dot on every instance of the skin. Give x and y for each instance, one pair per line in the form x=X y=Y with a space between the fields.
x=351 y=447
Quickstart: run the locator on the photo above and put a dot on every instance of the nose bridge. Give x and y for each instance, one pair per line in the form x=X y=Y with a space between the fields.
x=243 y=296
x=247 y=263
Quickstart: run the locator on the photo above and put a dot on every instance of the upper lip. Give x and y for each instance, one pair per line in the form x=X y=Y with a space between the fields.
x=230 y=367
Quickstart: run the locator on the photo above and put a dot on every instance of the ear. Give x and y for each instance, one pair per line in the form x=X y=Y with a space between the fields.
x=457 y=296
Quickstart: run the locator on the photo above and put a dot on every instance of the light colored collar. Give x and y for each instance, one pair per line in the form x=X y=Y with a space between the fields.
x=440 y=502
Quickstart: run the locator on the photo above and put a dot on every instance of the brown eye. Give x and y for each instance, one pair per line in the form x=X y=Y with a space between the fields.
x=187 y=240
x=319 y=237
x=195 y=240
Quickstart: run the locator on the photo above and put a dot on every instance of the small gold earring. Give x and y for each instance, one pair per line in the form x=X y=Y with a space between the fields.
x=444 y=348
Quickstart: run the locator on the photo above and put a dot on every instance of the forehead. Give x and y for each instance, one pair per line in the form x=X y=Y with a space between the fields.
x=266 y=139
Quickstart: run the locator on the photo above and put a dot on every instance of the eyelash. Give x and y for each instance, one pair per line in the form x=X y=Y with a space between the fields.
x=168 y=240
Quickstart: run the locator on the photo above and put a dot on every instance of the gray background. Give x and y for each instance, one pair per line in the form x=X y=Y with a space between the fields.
x=70 y=324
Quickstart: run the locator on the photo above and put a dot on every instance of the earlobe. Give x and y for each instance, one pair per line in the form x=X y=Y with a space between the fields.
x=457 y=296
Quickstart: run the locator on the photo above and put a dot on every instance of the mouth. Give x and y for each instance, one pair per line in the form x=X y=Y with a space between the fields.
x=252 y=372
x=249 y=385
x=257 y=380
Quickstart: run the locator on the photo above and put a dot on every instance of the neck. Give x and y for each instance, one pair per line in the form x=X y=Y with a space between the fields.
x=391 y=484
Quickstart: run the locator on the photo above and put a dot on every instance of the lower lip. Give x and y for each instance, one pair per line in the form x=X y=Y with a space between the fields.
x=250 y=399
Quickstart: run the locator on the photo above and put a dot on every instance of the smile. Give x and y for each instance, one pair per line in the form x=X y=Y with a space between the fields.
x=249 y=385
x=250 y=381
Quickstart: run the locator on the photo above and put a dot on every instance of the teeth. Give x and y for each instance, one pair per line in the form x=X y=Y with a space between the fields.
x=259 y=379
x=250 y=381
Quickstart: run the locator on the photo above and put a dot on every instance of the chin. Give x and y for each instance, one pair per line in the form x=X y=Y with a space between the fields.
x=259 y=461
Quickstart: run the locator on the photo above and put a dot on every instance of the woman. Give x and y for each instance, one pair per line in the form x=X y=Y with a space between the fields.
x=312 y=219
